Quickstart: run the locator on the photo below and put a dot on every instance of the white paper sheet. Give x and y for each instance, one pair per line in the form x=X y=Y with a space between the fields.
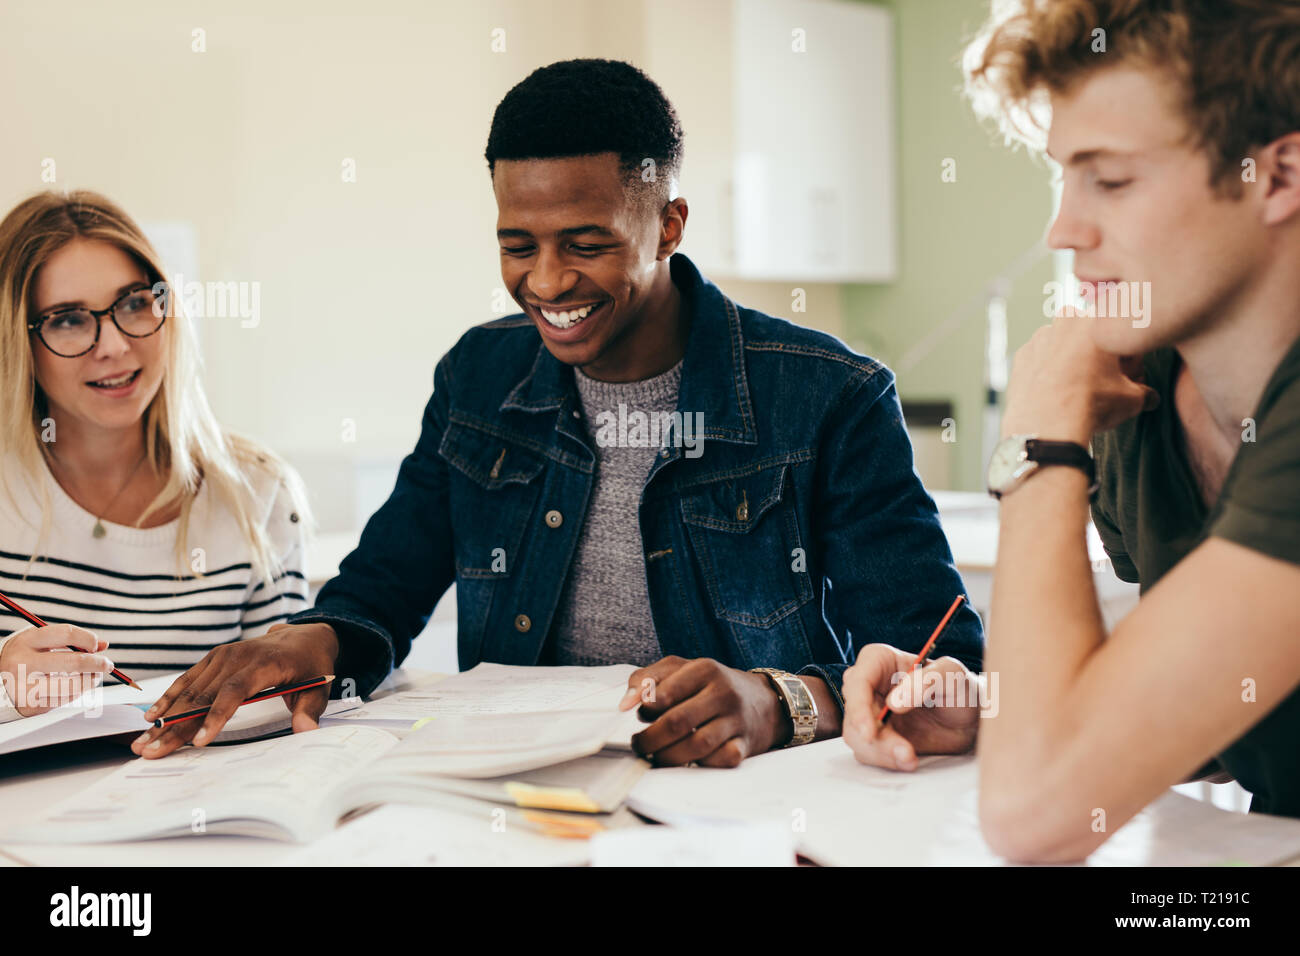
x=489 y=745
x=742 y=844
x=844 y=813
x=499 y=689
x=398 y=835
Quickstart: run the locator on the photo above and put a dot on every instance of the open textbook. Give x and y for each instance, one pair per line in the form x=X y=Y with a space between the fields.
x=298 y=787
x=486 y=689
x=508 y=735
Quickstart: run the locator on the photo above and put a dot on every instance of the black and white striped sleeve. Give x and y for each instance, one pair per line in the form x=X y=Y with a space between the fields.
x=286 y=594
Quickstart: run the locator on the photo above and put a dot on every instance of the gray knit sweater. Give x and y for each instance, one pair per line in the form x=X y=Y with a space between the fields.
x=604 y=612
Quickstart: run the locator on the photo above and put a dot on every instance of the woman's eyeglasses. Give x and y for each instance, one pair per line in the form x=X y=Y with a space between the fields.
x=74 y=332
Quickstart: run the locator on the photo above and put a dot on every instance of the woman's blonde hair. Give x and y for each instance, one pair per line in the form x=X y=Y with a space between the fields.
x=183 y=440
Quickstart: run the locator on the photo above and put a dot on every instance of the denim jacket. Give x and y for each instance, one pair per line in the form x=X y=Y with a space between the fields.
x=796 y=532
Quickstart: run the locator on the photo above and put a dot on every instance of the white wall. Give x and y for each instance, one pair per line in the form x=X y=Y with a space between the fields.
x=363 y=285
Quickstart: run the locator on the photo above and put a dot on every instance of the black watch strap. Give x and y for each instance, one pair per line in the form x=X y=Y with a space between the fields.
x=1063 y=453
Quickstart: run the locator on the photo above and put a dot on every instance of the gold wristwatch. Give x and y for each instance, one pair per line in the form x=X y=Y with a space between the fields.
x=798 y=701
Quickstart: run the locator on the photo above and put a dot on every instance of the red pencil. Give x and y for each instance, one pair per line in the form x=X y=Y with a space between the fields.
x=31 y=618
x=260 y=695
x=920 y=658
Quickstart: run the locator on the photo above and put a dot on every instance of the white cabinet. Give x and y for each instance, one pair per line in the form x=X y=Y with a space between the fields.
x=789 y=113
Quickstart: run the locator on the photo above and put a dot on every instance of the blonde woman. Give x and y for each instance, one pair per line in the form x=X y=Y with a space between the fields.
x=139 y=530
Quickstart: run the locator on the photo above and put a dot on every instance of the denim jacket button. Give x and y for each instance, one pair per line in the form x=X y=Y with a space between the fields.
x=554 y=519
x=742 y=511
x=522 y=622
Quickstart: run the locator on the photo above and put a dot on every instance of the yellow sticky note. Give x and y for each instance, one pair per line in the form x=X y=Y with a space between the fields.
x=551 y=798
x=564 y=827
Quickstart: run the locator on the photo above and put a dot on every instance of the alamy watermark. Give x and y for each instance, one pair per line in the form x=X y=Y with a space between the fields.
x=1103 y=300
x=77 y=908
x=638 y=429
x=951 y=688
x=210 y=300
x=36 y=690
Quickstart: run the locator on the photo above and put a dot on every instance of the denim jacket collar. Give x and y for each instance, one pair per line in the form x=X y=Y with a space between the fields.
x=714 y=379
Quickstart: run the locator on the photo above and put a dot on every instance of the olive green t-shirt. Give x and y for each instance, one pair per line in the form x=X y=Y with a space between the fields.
x=1150 y=515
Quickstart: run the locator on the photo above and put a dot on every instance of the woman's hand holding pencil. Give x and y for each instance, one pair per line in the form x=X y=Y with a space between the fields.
x=36 y=671
x=51 y=665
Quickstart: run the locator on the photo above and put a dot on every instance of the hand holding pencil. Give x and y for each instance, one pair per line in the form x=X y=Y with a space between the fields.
x=270 y=693
x=50 y=665
x=899 y=704
x=210 y=692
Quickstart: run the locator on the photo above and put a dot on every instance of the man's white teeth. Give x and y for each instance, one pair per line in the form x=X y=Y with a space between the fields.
x=114 y=382
x=567 y=320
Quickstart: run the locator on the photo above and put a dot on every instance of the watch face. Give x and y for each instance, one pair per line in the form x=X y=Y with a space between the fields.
x=1008 y=463
x=799 y=691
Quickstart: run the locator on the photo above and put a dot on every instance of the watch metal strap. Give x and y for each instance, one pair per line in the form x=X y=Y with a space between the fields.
x=798 y=701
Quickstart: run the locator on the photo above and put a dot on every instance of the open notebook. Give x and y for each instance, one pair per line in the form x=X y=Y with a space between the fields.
x=119 y=709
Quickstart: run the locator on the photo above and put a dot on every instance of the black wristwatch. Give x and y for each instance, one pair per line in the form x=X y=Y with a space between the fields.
x=1018 y=456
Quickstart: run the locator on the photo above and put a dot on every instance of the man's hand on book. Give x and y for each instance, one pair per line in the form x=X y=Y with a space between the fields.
x=231 y=673
x=703 y=712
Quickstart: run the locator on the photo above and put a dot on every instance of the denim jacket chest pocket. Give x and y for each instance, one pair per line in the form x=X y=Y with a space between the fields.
x=745 y=533
x=493 y=489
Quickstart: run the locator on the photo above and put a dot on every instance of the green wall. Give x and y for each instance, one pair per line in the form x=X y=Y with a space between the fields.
x=953 y=236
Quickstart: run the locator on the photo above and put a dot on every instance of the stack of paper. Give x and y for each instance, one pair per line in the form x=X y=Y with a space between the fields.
x=494 y=689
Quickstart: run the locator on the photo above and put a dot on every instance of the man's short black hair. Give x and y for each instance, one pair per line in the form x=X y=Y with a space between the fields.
x=590 y=106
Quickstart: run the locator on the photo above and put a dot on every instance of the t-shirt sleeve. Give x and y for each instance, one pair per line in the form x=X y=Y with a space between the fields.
x=1261 y=509
x=1112 y=539
x=1113 y=542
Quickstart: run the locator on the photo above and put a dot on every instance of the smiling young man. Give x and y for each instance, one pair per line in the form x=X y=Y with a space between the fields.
x=699 y=556
x=1180 y=154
